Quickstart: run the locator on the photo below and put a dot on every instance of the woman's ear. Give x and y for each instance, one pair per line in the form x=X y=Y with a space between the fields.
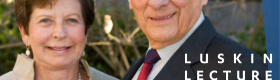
x=129 y=4
x=24 y=35
x=86 y=39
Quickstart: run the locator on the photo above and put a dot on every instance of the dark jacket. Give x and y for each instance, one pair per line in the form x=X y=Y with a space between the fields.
x=204 y=40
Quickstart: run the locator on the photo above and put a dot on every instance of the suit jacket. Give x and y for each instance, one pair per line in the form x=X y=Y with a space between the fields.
x=206 y=40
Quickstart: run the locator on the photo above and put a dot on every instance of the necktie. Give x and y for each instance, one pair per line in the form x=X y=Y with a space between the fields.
x=151 y=58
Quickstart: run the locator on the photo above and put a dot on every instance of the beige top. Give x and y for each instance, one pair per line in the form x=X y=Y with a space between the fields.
x=24 y=70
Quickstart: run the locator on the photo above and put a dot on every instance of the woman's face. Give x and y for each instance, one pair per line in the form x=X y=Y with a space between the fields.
x=57 y=34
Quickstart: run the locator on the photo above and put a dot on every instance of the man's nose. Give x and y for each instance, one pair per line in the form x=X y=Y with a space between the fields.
x=157 y=4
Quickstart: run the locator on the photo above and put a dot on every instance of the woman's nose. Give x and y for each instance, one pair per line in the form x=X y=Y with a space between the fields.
x=157 y=4
x=59 y=31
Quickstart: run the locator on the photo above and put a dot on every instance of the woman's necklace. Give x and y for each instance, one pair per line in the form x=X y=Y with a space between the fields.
x=80 y=78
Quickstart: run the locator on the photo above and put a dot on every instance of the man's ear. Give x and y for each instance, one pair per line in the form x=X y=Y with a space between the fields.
x=204 y=2
x=24 y=36
x=129 y=4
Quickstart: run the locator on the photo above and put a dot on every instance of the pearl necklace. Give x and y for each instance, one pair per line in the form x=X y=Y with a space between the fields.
x=80 y=78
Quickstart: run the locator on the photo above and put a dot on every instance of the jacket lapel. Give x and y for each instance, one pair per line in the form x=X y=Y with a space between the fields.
x=197 y=43
x=133 y=69
x=24 y=67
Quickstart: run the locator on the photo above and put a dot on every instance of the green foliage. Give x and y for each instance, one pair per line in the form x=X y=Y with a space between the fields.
x=9 y=33
x=251 y=37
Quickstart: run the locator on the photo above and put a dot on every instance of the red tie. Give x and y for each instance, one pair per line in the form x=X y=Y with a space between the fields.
x=151 y=58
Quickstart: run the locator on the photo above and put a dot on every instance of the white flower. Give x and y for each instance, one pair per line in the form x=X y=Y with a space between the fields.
x=9 y=1
x=108 y=24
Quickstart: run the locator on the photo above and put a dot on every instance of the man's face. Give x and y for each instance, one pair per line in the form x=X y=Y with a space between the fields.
x=165 y=22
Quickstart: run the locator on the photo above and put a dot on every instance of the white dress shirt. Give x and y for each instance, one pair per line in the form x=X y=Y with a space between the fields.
x=166 y=52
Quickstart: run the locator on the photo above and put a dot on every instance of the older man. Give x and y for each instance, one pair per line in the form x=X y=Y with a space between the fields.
x=178 y=27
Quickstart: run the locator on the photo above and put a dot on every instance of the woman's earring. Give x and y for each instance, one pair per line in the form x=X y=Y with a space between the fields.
x=27 y=52
x=84 y=53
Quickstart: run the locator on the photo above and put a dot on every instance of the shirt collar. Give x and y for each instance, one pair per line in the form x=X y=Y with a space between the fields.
x=24 y=67
x=166 y=52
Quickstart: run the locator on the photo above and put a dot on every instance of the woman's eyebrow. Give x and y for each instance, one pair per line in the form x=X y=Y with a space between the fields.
x=73 y=14
x=44 y=15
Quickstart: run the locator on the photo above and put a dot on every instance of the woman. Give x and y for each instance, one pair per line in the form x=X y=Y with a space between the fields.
x=55 y=30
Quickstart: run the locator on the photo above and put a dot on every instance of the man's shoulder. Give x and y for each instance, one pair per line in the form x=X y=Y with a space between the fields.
x=229 y=48
x=232 y=52
x=223 y=44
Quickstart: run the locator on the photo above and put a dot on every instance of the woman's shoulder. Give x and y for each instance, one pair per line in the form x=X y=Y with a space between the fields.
x=23 y=70
x=94 y=73
x=98 y=75
x=10 y=76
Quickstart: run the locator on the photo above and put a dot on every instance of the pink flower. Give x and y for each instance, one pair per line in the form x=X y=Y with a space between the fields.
x=233 y=38
x=251 y=30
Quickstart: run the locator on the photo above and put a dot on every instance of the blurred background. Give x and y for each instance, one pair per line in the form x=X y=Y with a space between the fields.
x=112 y=49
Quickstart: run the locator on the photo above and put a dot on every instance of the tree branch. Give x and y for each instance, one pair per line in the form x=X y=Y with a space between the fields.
x=17 y=44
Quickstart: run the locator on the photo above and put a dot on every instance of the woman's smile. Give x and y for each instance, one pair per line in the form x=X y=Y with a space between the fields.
x=59 y=49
